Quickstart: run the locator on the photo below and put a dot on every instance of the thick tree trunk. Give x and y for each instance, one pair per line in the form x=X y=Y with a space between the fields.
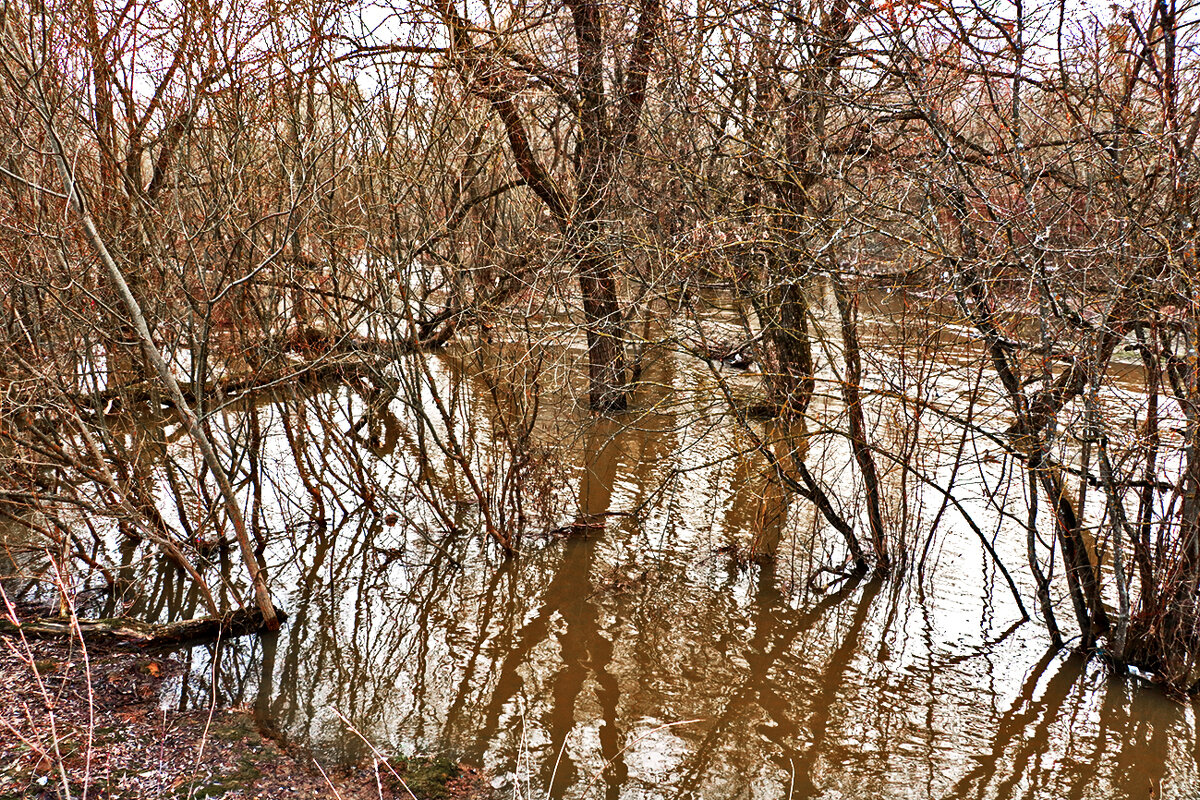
x=790 y=380
x=607 y=373
x=597 y=160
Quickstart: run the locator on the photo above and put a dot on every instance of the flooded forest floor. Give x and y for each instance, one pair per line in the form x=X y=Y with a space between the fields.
x=677 y=622
x=100 y=716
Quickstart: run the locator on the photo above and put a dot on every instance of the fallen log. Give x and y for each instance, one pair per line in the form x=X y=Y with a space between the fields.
x=144 y=635
x=111 y=400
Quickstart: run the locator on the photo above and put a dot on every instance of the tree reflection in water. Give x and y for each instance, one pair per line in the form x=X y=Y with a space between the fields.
x=565 y=667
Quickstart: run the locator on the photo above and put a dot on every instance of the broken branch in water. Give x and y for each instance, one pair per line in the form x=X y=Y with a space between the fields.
x=132 y=632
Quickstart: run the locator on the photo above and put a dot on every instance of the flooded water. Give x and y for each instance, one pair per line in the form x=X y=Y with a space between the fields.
x=643 y=655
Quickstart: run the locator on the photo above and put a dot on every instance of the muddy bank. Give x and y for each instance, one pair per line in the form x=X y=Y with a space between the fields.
x=76 y=724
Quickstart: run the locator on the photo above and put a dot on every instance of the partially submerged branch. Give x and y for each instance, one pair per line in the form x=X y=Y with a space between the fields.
x=135 y=633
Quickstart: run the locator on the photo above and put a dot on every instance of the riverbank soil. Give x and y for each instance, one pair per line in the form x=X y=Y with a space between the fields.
x=68 y=722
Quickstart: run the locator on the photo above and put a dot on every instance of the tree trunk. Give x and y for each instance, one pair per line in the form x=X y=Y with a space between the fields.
x=597 y=165
x=607 y=372
x=790 y=381
x=858 y=427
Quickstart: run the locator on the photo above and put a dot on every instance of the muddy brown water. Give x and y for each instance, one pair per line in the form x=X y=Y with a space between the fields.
x=642 y=656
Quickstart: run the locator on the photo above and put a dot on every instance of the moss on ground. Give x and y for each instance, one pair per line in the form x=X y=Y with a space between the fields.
x=243 y=777
x=427 y=778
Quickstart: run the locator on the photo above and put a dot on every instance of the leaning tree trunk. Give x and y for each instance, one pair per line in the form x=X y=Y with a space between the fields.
x=78 y=204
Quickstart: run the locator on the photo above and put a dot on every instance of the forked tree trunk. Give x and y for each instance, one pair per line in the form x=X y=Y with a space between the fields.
x=858 y=429
x=607 y=129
